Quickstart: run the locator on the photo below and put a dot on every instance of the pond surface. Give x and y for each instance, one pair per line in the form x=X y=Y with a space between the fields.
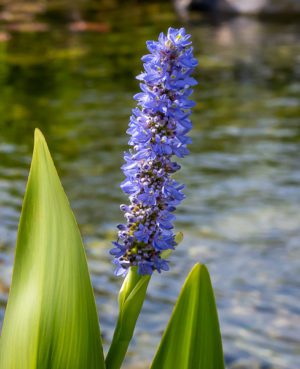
x=75 y=80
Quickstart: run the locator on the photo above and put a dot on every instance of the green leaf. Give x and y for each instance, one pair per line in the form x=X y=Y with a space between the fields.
x=51 y=320
x=192 y=339
x=131 y=299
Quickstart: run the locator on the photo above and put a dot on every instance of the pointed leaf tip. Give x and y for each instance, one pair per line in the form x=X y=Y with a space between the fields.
x=200 y=269
x=39 y=139
x=38 y=134
x=192 y=339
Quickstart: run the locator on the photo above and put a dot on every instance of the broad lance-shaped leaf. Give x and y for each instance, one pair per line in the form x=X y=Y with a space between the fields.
x=192 y=339
x=51 y=320
x=131 y=299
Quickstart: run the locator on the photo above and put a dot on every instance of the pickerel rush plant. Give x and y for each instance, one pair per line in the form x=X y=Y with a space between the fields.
x=51 y=319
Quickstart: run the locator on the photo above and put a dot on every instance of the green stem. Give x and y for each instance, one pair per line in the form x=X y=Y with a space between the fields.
x=117 y=350
x=131 y=299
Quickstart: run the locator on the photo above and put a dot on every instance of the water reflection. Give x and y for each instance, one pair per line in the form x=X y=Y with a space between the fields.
x=241 y=215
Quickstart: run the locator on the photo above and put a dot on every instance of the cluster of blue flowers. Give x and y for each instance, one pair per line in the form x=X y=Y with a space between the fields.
x=158 y=129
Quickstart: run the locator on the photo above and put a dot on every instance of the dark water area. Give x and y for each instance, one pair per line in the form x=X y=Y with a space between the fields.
x=71 y=72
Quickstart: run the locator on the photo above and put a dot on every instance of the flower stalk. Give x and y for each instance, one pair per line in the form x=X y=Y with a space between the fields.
x=131 y=298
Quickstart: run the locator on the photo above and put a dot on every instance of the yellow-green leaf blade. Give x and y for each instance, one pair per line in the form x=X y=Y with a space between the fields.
x=192 y=339
x=51 y=319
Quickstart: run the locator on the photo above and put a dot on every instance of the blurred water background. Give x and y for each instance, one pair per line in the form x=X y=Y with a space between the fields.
x=69 y=68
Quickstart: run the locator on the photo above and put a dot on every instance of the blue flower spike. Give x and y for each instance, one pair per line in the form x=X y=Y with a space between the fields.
x=158 y=128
